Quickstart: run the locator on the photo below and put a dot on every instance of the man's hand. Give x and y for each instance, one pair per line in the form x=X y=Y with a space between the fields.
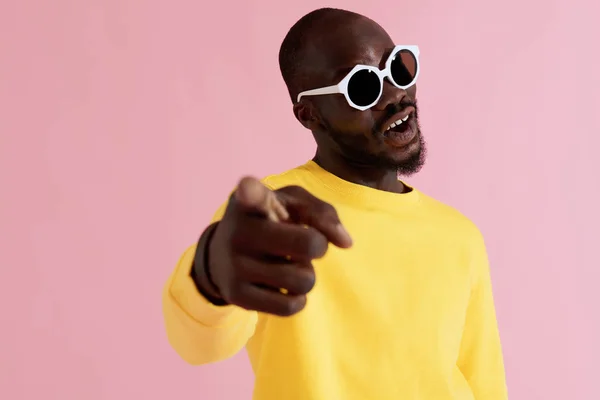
x=260 y=255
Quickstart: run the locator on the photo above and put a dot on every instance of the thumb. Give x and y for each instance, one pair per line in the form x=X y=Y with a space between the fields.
x=252 y=195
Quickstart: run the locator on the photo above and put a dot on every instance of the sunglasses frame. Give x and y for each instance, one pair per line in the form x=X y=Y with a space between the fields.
x=342 y=87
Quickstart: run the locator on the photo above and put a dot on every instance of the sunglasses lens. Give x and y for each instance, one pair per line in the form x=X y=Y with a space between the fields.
x=404 y=68
x=364 y=88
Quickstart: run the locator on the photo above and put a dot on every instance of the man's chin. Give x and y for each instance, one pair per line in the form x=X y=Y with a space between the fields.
x=410 y=159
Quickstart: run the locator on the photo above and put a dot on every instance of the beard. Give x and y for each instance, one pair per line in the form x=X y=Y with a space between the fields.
x=355 y=148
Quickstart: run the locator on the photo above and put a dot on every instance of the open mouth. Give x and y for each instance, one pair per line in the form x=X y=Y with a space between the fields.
x=401 y=129
x=399 y=125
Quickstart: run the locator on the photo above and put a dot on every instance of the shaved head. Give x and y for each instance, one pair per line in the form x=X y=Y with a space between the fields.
x=307 y=40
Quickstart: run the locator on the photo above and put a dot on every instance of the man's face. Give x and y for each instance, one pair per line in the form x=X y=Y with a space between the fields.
x=361 y=137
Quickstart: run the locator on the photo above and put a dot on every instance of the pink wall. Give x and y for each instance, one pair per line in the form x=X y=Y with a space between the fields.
x=112 y=116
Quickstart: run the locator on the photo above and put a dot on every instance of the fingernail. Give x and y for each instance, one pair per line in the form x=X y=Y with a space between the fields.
x=281 y=211
x=272 y=216
x=345 y=235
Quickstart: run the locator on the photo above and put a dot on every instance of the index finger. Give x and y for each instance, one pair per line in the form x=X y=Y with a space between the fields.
x=304 y=208
x=252 y=195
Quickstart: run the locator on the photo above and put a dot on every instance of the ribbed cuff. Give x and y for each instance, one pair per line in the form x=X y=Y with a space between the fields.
x=184 y=292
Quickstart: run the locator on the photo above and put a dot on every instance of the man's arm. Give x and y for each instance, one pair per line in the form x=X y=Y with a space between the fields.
x=230 y=267
x=480 y=359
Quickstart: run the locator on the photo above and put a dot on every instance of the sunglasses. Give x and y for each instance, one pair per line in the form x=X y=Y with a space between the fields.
x=363 y=85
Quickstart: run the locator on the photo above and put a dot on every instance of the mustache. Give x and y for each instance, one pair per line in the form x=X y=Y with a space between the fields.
x=393 y=109
x=399 y=107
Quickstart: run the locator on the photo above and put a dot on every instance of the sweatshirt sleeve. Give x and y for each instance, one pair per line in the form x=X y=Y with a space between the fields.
x=199 y=331
x=480 y=359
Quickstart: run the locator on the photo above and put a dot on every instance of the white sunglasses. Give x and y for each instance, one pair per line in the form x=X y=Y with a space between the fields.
x=363 y=86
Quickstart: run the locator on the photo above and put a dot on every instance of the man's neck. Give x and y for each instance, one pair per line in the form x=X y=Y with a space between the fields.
x=376 y=178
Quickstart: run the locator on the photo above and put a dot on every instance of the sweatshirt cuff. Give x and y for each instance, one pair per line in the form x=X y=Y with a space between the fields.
x=184 y=293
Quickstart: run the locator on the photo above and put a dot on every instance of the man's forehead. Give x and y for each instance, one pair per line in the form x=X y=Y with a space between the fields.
x=361 y=41
x=363 y=52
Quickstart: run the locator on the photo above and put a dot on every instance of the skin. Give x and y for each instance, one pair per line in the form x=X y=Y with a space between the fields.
x=259 y=256
x=349 y=142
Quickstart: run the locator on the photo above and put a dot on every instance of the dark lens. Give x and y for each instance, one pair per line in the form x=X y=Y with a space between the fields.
x=404 y=67
x=364 y=87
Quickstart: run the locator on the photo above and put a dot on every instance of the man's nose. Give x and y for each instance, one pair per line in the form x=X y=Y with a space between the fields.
x=391 y=96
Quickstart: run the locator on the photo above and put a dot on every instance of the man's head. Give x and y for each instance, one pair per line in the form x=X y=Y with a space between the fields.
x=319 y=51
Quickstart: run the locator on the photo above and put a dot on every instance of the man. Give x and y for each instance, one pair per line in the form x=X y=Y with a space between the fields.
x=341 y=281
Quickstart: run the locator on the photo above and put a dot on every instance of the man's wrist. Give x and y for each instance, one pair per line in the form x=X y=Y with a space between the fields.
x=200 y=272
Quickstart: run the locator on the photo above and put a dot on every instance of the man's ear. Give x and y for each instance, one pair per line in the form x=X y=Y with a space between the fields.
x=306 y=113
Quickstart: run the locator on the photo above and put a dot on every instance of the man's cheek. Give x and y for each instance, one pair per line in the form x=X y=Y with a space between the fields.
x=412 y=92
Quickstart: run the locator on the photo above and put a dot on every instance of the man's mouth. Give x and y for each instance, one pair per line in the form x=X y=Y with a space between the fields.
x=401 y=129
x=399 y=122
x=397 y=125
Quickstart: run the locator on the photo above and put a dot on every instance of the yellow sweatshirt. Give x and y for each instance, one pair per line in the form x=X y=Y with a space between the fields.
x=406 y=313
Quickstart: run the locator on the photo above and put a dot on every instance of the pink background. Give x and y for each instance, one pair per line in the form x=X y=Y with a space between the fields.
x=113 y=115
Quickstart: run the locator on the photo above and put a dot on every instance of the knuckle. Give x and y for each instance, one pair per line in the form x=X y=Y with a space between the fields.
x=316 y=244
x=287 y=309
x=292 y=306
x=306 y=282
x=299 y=280
x=326 y=210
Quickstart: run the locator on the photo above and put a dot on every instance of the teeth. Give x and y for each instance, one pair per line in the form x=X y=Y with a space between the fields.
x=394 y=124
x=400 y=121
